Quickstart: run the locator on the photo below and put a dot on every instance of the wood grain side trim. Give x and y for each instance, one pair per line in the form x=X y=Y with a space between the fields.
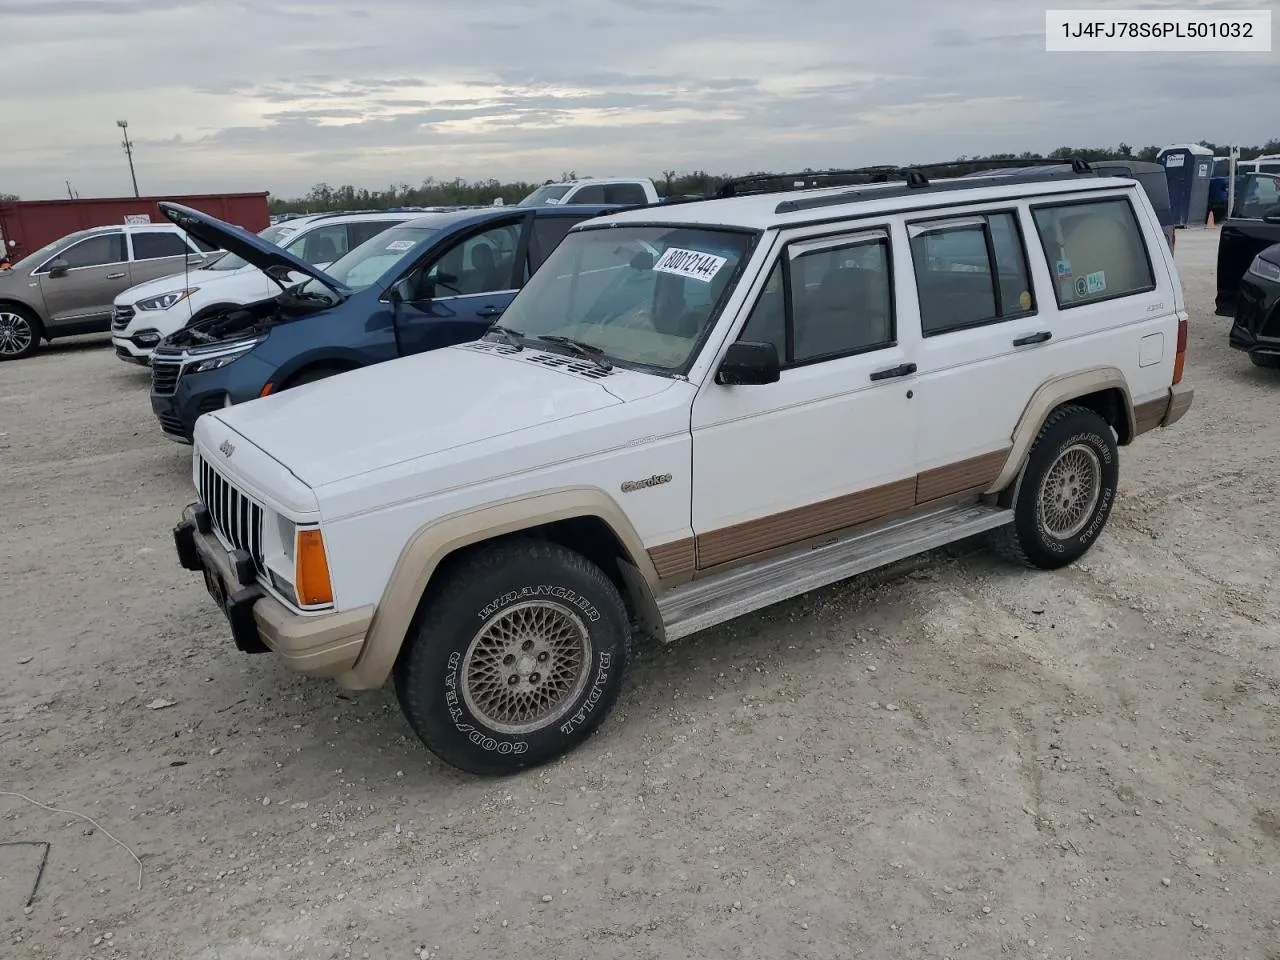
x=792 y=526
x=976 y=473
x=674 y=560
x=1147 y=416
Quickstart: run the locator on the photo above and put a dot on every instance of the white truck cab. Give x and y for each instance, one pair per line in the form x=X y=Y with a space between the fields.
x=690 y=412
x=627 y=191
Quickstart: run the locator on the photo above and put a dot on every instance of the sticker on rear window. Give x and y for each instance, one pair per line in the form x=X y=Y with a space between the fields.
x=1063 y=269
x=1096 y=282
x=690 y=263
x=399 y=244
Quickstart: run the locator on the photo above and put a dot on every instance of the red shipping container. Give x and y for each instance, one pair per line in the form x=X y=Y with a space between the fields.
x=27 y=225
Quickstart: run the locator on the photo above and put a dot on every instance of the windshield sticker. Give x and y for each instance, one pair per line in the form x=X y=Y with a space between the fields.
x=1096 y=282
x=1063 y=269
x=690 y=263
x=399 y=244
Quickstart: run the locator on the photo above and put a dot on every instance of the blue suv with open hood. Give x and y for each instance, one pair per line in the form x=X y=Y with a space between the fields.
x=436 y=280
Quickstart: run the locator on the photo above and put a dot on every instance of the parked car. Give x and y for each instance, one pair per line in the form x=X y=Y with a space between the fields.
x=149 y=312
x=437 y=279
x=66 y=288
x=1256 y=327
x=1253 y=226
x=594 y=190
x=690 y=412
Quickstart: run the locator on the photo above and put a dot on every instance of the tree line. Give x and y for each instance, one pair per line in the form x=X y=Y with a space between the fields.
x=459 y=192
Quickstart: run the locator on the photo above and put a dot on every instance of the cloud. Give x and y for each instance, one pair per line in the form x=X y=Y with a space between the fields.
x=276 y=94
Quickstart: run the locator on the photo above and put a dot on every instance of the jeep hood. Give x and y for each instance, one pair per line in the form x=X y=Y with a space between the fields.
x=267 y=257
x=419 y=406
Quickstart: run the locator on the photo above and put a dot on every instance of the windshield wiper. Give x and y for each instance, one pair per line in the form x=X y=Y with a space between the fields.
x=592 y=353
x=506 y=333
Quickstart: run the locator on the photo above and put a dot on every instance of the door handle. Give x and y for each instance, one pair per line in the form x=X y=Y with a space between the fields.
x=901 y=370
x=1031 y=338
x=115 y=276
x=490 y=311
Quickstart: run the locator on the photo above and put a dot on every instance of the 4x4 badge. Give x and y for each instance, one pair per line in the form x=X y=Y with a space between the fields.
x=226 y=448
x=658 y=478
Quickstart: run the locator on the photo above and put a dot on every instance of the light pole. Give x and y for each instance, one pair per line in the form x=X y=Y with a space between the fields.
x=128 y=152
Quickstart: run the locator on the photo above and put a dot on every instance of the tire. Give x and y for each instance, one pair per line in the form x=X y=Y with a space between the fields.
x=472 y=616
x=1075 y=447
x=20 y=333
x=1268 y=361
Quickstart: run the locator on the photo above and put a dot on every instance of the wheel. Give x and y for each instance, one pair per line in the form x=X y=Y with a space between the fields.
x=515 y=658
x=1268 y=361
x=1066 y=491
x=19 y=333
x=311 y=375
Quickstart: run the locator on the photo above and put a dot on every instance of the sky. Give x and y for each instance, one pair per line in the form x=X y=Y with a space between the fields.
x=228 y=95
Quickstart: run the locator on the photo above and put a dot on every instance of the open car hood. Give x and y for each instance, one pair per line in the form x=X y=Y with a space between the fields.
x=267 y=257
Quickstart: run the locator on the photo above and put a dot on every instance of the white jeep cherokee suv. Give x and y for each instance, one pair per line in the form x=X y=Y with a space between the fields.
x=147 y=313
x=690 y=412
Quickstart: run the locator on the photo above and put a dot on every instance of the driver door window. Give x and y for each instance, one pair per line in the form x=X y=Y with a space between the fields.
x=482 y=263
x=97 y=251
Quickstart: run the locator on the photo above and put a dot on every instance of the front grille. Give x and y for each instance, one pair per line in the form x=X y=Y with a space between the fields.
x=234 y=515
x=164 y=376
x=120 y=318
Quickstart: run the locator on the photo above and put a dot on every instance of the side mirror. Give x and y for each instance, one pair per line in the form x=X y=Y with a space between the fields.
x=1271 y=215
x=747 y=363
x=59 y=268
x=400 y=291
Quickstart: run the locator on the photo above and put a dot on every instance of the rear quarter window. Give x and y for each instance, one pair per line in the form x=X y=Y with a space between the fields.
x=1095 y=250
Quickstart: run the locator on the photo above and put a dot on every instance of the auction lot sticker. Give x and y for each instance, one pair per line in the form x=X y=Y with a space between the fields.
x=690 y=263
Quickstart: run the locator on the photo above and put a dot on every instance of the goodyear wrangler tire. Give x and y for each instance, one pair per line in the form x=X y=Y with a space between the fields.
x=1066 y=493
x=515 y=658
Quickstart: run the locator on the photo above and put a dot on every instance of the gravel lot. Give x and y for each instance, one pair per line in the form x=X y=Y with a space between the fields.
x=960 y=760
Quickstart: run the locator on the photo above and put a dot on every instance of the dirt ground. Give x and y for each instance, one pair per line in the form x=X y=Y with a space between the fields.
x=964 y=760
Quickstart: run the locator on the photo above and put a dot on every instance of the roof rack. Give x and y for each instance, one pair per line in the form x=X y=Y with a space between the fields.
x=913 y=174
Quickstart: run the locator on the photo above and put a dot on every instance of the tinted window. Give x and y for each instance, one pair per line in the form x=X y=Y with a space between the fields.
x=592 y=193
x=969 y=271
x=321 y=245
x=482 y=263
x=96 y=251
x=546 y=236
x=1261 y=192
x=834 y=300
x=625 y=193
x=359 y=232
x=201 y=245
x=155 y=244
x=1095 y=250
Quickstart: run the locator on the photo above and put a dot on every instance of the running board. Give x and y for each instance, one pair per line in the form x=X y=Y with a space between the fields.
x=716 y=599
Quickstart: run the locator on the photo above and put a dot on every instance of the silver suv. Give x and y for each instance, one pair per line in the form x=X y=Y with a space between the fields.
x=67 y=288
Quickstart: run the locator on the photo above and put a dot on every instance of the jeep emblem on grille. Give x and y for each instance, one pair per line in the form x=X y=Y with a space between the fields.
x=226 y=448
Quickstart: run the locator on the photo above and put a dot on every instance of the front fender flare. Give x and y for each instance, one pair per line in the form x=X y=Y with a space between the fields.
x=434 y=541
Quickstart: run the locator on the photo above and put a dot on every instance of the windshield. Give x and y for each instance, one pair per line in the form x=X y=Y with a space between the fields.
x=274 y=234
x=551 y=193
x=33 y=260
x=643 y=295
x=1261 y=192
x=361 y=267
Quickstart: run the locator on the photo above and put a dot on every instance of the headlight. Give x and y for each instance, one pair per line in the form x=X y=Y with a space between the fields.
x=1265 y=269
x=165 y=300
x=197 y=365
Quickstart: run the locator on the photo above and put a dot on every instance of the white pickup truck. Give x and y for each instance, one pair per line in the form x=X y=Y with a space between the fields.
x=625 y=191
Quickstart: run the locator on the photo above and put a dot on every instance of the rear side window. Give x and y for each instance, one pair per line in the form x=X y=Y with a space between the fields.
x=593 y=193
x=156 y=244
x=1095 y=250
x=546 y=236
x=626 y=193
x=362 y=230
x=969 y=271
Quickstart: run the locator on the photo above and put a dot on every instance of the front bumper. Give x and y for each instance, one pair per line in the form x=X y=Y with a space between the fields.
x=129 y=351
x=324 y=645
x=1256 y=324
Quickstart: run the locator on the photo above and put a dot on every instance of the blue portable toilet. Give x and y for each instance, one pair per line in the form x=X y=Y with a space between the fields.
x=1189 y=169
